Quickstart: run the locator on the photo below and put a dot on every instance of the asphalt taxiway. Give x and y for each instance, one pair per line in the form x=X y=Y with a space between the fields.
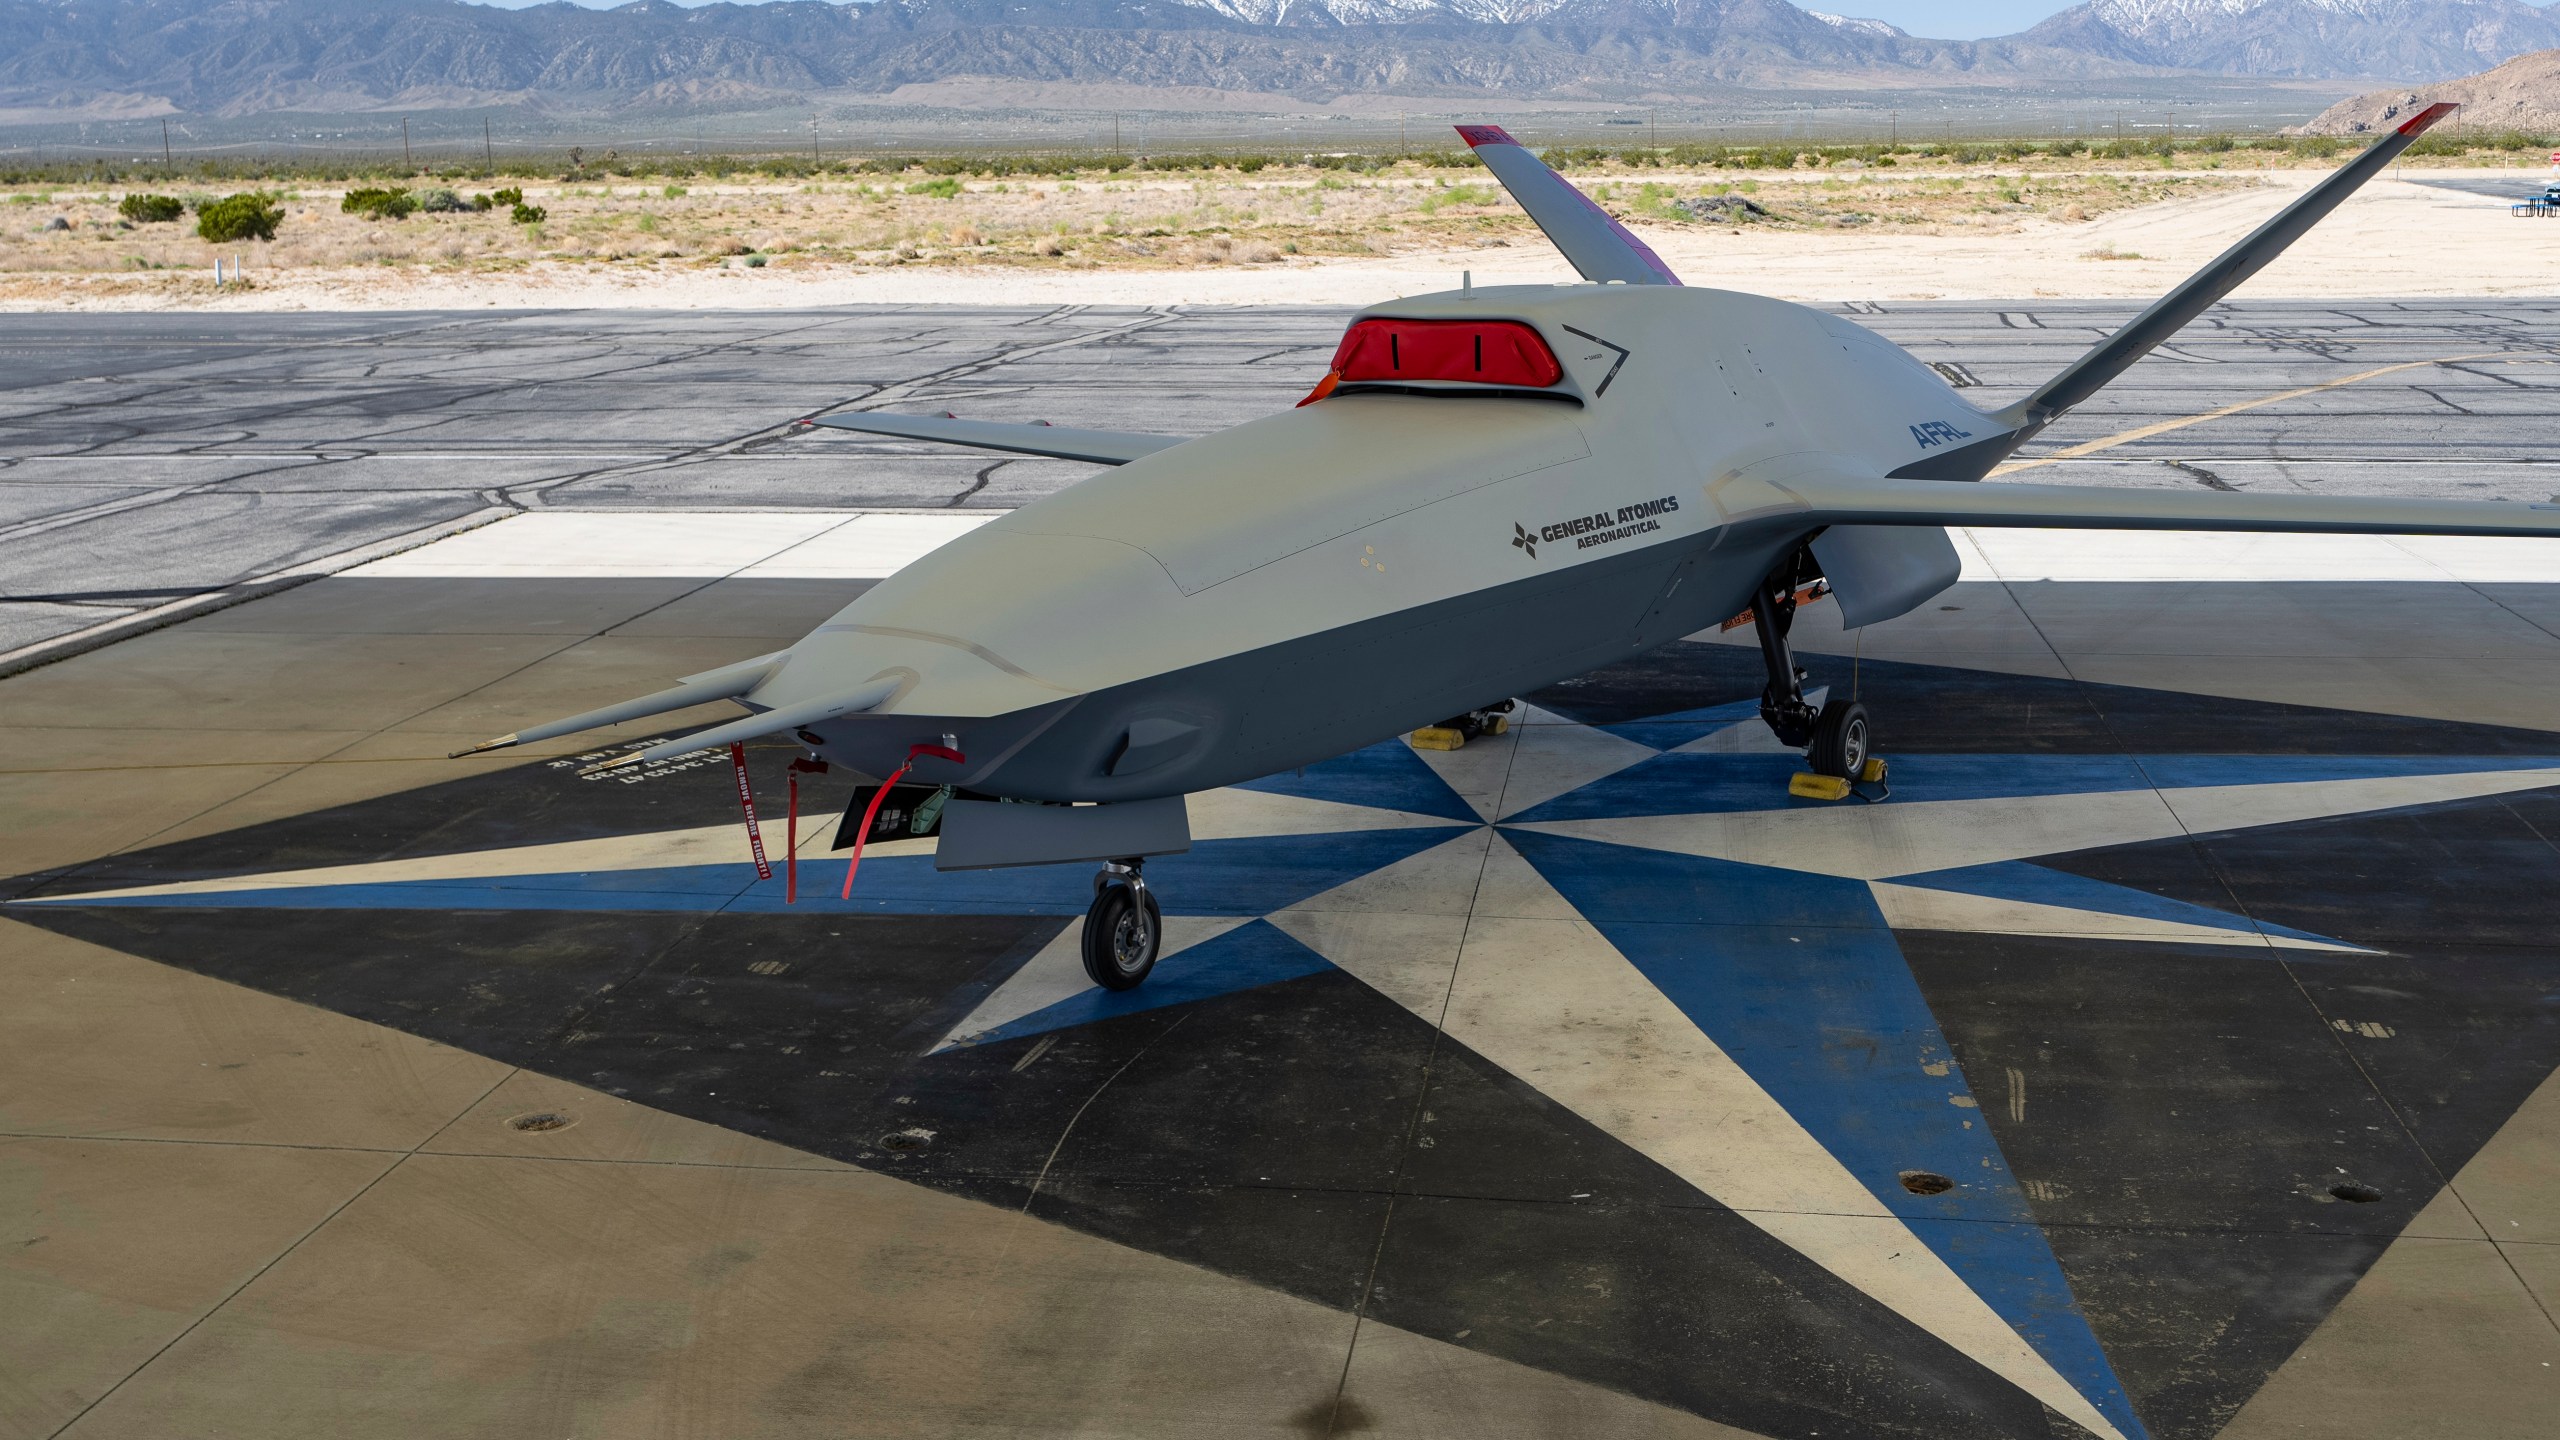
x=2171 y=1055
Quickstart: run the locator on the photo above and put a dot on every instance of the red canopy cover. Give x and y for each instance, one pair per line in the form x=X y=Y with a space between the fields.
x=1485 y=352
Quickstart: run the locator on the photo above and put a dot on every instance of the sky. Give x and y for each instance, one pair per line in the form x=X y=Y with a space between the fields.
x=1937 y=19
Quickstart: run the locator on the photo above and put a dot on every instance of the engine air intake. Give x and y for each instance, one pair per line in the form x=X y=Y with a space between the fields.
x=1482 y=352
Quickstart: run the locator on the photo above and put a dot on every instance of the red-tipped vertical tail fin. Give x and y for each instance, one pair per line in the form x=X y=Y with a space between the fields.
x=1596 y=245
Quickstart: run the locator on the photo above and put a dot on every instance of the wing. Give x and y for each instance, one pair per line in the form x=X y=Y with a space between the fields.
x=1099 y=447
x=1843 y=499
x=1598 y=247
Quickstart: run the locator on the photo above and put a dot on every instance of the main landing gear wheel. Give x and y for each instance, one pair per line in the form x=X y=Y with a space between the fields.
x=1122 y=930
x=1840 y=741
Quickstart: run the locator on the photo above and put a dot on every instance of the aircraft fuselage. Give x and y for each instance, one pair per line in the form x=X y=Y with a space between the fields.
x=1333 y=575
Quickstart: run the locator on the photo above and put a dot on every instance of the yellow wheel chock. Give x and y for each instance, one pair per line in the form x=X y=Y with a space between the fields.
x=1452 y=733
x=1806 y=785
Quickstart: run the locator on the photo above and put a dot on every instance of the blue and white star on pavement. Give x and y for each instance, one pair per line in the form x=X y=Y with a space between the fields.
x=1632 y=920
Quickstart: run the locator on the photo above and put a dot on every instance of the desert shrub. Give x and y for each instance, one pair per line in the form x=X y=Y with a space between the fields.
x=512 y=195
x=2463 y=142
x=440 y=201
x=379 y=203
x=151 y=209
x=674 y=192
x=945 y=188
x=524 y=214
x=251 y=216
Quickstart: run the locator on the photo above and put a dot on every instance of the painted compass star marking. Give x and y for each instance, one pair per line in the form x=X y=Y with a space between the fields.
x=1619 y=917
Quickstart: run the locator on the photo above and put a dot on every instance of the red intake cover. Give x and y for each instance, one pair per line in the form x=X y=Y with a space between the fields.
x=1485 y=352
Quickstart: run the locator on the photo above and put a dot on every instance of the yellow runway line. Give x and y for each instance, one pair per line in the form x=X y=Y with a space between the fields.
x=2145 y=432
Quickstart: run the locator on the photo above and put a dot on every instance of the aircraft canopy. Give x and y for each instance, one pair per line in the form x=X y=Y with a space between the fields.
x=1482 y=352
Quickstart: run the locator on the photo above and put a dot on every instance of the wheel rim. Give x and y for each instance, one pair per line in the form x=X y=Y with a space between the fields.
x=1131 y=940
x=1853 y=745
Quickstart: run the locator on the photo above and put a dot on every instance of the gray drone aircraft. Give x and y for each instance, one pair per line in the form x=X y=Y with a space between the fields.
x=1493 y=490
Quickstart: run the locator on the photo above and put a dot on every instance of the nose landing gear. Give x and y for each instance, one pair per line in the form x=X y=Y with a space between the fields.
x=1123 y=928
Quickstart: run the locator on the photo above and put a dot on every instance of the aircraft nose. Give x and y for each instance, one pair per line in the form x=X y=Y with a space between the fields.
x=997 y=621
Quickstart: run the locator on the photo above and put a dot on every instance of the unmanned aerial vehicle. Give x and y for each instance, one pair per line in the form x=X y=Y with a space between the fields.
x=1492 y=490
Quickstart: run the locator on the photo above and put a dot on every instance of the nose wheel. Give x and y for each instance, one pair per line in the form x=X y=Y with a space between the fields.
x=1123 y=928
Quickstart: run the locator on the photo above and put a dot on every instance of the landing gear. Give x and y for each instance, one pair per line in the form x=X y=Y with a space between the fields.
x=1123 y=929
x=1773 y=613
x=1833 y=736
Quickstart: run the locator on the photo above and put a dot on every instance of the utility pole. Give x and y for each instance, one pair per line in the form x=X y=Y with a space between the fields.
x=1115 y=134
x=166 y=160
x=488 y=148
x=406 y=160
x=1893 y=130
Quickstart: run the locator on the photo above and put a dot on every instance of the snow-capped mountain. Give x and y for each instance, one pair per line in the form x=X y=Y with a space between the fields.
x=2400 y=39
x=1860 y=24
x=74 y=58
x=1375 y=12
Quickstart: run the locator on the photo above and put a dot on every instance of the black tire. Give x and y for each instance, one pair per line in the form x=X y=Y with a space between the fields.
x=1121 y=937
x=1839 y=740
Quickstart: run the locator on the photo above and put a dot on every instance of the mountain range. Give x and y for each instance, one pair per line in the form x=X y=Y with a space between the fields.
x=2523 y=94
x=238 y=57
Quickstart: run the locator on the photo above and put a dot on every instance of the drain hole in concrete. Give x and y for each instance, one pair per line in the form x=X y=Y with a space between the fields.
x=905 y=1140
x=542 y=1120
x=2353 y=1193
x=1926 y=1182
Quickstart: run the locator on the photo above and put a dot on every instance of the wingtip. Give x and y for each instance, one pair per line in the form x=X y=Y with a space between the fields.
x=2417 y=124
x=501 y=743
x=1476 y=135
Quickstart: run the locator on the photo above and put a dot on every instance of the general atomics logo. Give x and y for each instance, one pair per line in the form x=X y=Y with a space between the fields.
x=1603 y=528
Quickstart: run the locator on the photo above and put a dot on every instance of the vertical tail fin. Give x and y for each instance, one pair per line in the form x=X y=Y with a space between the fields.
x=1598 y=247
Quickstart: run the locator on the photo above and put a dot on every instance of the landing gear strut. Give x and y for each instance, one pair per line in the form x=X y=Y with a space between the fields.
x=1123 y=929
x=1833 y=737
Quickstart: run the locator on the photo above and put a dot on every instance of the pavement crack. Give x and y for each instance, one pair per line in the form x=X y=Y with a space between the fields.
x=979 y=484
x=2438 y=397
x=2202 y=476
